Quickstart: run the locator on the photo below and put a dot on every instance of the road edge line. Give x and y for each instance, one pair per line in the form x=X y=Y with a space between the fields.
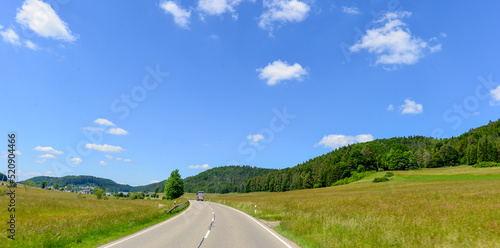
x=258 y=222
x=147 y=229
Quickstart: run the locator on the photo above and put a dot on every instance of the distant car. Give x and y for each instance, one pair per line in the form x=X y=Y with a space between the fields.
x=201 y=196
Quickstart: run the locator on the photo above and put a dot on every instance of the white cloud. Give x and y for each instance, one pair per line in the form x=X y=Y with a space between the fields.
x=103 y=163
x=351 y=10
x=154 y=181
x=282 y=11
x=255 y=138
x=1 y=26
x=127 y=160
x=108 y=157
x=29 y=44
x=6 y=154
x=105 y=148
x=443 y=35
x=213 y=37
x=43 y=20
x=495 y=96
x=338 y=140
x=93 y=128
x=117 y=131
x=9 y=36
x=48 y=149
x=219 y=7
x=40 y=161
x=411 y=107
x=390 y=107
x=181 y=16
x=119 y=159
x=279 y=71
x=393 y=43
x=103 y=122
x=47 y=156
x=203 y=166
x=76 y=160
x=435 y=48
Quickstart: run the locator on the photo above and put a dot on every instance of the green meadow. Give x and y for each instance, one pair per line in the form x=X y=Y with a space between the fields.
x=46 y=218
x=444 y=207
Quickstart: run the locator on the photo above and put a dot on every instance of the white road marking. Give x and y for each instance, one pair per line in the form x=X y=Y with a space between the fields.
x=206 y=235
x=260 y=224
x=148 y=229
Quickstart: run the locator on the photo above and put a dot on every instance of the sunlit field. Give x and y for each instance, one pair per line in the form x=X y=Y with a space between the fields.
x=47 y=218
x=445 y=207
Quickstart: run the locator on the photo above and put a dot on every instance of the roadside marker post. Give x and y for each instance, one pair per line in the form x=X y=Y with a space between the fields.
x=255 y=209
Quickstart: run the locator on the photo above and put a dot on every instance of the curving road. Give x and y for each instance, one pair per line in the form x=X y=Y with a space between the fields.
x=206 y=224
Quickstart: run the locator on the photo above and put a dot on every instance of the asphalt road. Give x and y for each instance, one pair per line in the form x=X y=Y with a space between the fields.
x=206 y=224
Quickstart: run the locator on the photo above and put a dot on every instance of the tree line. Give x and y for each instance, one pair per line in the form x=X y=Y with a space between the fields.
x=402 y=153
x=224 y=179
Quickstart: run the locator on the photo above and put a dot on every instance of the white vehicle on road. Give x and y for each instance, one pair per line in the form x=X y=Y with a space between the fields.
x=201 y=196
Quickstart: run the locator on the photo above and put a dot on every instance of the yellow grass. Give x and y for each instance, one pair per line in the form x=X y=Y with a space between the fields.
x=444 y=213
x=47 y=218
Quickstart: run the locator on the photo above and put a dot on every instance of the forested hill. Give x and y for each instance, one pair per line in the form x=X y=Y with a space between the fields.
x=405 y=153
x=223 y=179
x=220 y=179
x=110 y=185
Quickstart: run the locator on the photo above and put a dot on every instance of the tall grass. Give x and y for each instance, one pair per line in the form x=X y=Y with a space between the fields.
x=443 y=213
x=47 y=218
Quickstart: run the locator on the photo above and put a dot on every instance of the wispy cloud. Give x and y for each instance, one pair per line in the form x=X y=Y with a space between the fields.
x=76 y=160
x=279 y=71
x=350 y=10
x=10 y=36
x=411 y=107
x=255 y=138
x=105 y=148
x=43 y=20
x=154 y=181
x=181 y=16
x=29 y=44
x=338 y=140
x=5 y=154
x=103 y=163
x=104 y=122
x=203 y=166
x=390 y=107
x=47 y=156
x=117 y=131
x=495 y=96
x=282 y=11
x=93 y=128
x=219 y=7
x=48 y=149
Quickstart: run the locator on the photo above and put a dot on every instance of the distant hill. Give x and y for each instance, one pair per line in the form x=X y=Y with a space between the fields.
x=223 y=179
x=481 y=144
x=110 y=185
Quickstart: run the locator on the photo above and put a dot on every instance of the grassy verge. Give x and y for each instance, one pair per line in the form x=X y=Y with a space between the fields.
x=423 y=208
x=57 y=219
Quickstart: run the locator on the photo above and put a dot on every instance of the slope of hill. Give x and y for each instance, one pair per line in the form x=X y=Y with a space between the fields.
x=223 y=179
x=110 y=185
x=403 y=153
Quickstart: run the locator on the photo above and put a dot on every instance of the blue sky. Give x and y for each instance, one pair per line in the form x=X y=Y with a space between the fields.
x=131 y=90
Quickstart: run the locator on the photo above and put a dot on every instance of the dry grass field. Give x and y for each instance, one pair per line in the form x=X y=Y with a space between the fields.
x=58 y=219
x=445 y=207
